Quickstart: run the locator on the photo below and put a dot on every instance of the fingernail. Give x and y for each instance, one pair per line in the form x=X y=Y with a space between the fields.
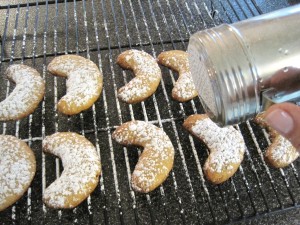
x=280 y=121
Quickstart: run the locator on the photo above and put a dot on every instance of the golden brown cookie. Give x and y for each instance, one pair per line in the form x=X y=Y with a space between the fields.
x=226 y=146
x=147 y=76
x=84 y=82
x=17 y=169
x=184 y=88
x=26 y=96
x=156 y=160
x=281 y=152
x=81 y=169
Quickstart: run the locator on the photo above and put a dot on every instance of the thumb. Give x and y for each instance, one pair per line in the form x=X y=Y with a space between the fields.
x=285 y=118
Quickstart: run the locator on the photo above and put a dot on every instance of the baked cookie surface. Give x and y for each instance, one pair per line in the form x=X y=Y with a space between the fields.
x=157 y=158
x=84 y=82
x=17 y=169
x=280 y=153
x=26 y=96
x=226 y=146
x=184 y=88
x=147 y=76
x=81 y=169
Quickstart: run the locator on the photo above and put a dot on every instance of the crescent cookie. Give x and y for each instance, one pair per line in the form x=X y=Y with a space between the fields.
x=84 y=82
x=81 y=169
x=281 y=152
x=156 y=160
x=26 y=96
x=184 y=88
x=17 y=169
x=226 y=145
x=147 y=76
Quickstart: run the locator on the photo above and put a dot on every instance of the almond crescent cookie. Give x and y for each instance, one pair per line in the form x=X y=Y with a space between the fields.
x=226 y=146
x=281 y=152
x=156 y=160
x=184 y=88
x=147 y=76
x=17 y=169
x=26 y=96
x=84 y=82
x=81 y=169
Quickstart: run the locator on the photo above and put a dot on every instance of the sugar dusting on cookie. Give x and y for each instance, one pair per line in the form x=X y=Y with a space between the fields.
x=135 y=88
x=27 y=94
x=226 y=144
x=81 y=169
x=184 y=88
x=84 y=82
x=147 y=72
x=156 y=161
x=280 y=152
x=17 y=169
x=82 y=85
x=283 y=150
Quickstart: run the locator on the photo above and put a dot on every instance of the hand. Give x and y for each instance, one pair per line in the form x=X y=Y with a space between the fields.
x=285 y=118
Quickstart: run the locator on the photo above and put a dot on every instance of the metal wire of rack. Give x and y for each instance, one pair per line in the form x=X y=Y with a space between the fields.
x=36 y=31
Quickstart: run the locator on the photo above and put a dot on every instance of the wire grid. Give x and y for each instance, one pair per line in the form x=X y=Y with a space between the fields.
x=34 y=33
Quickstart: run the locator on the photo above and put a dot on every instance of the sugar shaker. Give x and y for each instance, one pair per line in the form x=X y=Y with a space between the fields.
x=241 y=69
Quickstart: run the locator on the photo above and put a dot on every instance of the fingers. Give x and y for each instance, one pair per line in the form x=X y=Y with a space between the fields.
x=285 y=118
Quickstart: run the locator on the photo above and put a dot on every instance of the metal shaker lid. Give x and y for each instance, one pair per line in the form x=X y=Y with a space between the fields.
x=224 y=75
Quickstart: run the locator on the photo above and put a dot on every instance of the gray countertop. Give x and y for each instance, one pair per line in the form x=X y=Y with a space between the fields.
x=288 y=217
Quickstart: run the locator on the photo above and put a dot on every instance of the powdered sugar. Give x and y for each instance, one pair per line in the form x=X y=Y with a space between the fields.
x=84 y=82
x=135 y=88
x=226 y=144
x=178 y=64
x=143 y=63
x=175 y=59
x=283 y=150
x=81 y=169
x=156 y=161
x=82 y=85
x=27 y=94
x=184 y=88
x=17 y=169
x=147 y=72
